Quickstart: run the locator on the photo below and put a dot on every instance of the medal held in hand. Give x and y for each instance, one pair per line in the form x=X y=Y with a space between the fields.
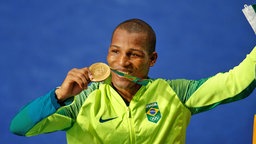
x=100 y=71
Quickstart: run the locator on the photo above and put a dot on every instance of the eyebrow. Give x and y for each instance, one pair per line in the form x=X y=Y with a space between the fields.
x=115 y=46
x=133 y=49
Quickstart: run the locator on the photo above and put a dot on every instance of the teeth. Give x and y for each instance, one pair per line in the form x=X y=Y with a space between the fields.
x=120 y=71
x=125 y=72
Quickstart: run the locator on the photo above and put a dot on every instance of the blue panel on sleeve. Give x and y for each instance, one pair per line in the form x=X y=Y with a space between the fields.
x=33 y=113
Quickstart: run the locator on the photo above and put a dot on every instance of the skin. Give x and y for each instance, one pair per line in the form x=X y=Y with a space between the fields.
x=128 y=52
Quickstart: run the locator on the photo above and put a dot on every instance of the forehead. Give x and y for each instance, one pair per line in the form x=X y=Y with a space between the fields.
x=132 y=38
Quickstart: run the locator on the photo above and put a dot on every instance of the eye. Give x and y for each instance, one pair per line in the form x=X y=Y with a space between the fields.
x=136 y=54
x=115 y=51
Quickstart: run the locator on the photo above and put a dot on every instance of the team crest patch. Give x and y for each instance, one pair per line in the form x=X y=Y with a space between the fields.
x=153 y=112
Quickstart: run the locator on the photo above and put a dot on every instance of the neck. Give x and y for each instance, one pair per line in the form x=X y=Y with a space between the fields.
x=127 y=93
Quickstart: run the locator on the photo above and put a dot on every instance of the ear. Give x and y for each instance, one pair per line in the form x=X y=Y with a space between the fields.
x=153 y=58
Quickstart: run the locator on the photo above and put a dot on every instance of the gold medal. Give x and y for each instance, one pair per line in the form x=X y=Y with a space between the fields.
x=100 y=71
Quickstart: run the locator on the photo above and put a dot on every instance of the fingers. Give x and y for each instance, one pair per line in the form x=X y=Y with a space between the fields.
x=80 y=76
x=75 y=81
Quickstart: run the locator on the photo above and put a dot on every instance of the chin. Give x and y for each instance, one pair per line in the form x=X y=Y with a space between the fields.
x=121 y=82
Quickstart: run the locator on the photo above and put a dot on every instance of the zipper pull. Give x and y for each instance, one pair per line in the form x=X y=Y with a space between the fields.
x=129 y=112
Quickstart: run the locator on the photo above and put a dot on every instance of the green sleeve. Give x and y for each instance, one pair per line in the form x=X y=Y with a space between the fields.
x=64 y=117
x=33 y=112
x=205 y=94
x=44 y=114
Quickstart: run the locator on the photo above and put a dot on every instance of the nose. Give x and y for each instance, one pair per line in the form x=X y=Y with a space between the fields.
x=124 y=60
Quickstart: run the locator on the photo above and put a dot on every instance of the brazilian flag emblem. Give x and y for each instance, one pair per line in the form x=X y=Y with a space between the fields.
x=153 y=112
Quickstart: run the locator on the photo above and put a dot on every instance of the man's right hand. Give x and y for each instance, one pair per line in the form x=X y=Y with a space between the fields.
x=75 y=81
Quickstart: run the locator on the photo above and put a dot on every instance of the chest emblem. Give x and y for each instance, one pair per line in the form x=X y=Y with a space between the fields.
x=153 y=112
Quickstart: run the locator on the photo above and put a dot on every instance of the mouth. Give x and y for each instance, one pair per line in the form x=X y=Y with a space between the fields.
x=126 y=75
x=121 y=72
x=124 y=72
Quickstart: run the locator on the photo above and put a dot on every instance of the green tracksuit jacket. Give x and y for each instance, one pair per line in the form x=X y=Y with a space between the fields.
x=158 y=113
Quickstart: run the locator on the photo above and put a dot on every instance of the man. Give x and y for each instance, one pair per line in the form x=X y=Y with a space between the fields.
x=119 y=110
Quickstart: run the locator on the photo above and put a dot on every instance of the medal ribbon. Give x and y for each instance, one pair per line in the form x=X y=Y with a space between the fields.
x=132 y=78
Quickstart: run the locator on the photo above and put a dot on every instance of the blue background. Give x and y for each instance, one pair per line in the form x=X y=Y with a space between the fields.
x=41 y=41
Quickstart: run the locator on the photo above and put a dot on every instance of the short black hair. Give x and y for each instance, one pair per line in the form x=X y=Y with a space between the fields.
x=139 y=26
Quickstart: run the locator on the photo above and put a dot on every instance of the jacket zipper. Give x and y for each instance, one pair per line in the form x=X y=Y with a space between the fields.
x=130 y=123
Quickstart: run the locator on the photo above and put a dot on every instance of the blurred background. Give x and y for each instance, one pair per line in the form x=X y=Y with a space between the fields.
x=40 y=41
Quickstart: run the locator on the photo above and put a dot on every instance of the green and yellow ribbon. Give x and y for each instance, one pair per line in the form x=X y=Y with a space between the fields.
x=132 y=78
